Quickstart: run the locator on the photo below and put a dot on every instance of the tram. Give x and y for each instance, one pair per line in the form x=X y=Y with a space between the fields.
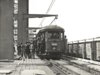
x=51 y=42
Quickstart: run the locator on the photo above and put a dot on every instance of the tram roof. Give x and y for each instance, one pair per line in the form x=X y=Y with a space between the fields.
x=52 y=28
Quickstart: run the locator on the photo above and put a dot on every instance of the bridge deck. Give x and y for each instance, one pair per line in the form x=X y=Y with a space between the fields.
x=19 y=67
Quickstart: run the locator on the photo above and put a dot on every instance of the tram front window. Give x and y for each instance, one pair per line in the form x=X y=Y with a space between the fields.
x=53 y=35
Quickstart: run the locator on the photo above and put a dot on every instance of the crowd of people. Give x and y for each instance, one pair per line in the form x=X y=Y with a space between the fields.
x=25 y=50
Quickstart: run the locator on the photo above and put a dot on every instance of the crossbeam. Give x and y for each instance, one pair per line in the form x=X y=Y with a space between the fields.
x=40 y=15
x=34 y=27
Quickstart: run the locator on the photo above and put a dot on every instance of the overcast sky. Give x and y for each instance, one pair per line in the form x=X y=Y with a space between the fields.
x=79 y=18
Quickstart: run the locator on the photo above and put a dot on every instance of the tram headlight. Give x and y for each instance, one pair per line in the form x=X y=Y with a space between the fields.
x=54 y=48
x=45 y=50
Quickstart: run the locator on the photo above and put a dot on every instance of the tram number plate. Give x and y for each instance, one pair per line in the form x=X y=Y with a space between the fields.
x=54 y=44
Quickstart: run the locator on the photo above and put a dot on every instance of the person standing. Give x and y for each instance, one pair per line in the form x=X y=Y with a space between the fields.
x=32 y=50
x=15 y=49
x=27 y=50
x=23 y=51
x=19 y=49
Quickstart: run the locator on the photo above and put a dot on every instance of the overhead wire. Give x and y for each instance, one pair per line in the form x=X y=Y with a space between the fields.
x=53 y=20
x=50 y=6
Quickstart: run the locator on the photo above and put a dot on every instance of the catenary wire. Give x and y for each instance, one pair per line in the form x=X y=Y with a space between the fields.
x=53 y=20
x=50 y=6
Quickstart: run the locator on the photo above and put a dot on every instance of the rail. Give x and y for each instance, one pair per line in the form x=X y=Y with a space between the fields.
x=60 y=69
x=83 y=66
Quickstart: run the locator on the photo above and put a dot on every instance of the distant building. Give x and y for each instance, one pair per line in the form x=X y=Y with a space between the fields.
x=31 y=33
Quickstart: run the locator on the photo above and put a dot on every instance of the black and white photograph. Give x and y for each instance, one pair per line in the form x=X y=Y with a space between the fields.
x=49 y=37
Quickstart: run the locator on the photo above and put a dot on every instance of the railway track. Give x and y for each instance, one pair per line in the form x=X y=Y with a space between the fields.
x=84 y=65
x=59 y=69
x=69 y=67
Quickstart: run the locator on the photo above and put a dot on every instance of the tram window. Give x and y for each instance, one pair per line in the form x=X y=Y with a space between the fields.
x=61 y=35
x=49 y=35
x=53 y=35
x=56 y=35
x=42 y=36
